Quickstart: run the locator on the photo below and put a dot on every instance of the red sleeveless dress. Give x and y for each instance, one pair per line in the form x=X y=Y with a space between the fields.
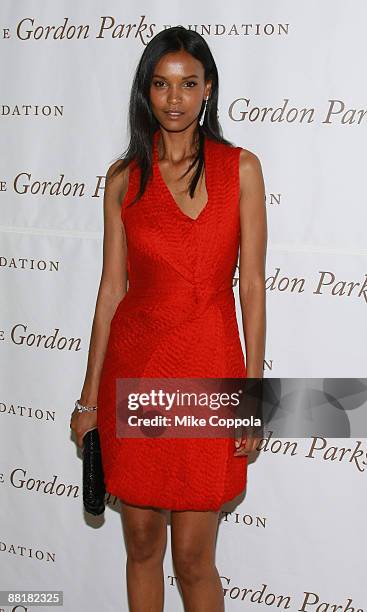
x=177 y=319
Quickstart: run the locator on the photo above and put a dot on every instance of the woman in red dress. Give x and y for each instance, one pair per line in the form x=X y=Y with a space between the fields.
x=178 y=209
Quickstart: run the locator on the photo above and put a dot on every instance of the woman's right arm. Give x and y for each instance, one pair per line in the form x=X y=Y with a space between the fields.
x=112 y=288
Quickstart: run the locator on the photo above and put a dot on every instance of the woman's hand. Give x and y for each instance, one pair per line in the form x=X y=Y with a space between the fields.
x=81 y=422
x=252 y=406
x=246 y=443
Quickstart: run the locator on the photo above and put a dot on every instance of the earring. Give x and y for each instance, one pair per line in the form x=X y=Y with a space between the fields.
x=201 y=121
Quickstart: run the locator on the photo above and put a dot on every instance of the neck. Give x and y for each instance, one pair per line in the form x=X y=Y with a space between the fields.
x=177 y=146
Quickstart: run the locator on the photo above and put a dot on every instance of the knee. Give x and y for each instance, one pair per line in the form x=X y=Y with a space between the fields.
x=143 y=546
x=192 y=565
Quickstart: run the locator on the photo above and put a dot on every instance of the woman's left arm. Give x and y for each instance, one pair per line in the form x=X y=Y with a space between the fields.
x=252 y=261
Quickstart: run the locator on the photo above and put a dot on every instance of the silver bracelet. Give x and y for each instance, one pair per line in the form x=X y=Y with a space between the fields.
x=80 y=408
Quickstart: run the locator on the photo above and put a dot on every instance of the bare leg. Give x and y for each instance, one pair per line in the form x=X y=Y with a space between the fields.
x=193 y=539
x=145 y=531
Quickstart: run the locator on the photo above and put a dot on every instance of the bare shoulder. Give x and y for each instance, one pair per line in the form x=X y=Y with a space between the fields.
x=117 y=180
x=250 y=170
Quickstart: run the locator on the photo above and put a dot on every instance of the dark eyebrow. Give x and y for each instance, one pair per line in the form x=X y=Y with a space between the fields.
x=183 y=78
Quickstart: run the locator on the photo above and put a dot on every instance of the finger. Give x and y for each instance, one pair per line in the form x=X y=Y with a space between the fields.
x=248 y=445
x=90 y=429
x=241 y=452
x=244 y=444
x=241 y=446
x=244 y=448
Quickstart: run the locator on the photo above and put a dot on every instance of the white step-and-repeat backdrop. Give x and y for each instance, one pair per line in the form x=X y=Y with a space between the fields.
x=293 y=90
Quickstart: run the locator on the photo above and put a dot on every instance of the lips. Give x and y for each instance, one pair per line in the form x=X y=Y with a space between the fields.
x=174 y=114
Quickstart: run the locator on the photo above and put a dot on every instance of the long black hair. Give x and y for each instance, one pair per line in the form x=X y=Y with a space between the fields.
x=143 y=124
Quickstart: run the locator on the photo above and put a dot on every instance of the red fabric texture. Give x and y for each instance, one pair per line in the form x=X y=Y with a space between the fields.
x=177 y=319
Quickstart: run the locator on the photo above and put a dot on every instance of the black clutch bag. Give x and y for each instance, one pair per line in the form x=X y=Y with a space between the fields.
x=93 y=480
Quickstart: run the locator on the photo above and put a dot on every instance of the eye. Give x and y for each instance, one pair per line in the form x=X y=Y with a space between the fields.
x=158 y=83
x=190 y=84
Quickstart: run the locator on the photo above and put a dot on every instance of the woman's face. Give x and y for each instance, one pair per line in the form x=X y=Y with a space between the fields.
x=178 y=85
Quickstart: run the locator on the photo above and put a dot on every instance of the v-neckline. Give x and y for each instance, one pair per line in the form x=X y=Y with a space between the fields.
x=165 y=188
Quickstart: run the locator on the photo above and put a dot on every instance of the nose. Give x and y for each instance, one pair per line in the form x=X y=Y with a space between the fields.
x=174 y=95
